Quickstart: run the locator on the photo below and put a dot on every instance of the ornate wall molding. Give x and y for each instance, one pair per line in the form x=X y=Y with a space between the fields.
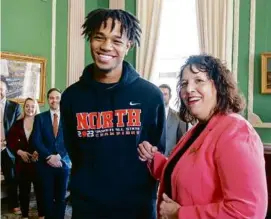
x=76 y=42
x=253 y=118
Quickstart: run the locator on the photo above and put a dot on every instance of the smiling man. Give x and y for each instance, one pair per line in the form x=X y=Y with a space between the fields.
x=106 y=115
x=54 y=163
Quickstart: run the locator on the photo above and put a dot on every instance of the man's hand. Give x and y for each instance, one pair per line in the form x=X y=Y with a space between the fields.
x=146 y=151
x=54 y=161
x=24 y=155
x=169 y=208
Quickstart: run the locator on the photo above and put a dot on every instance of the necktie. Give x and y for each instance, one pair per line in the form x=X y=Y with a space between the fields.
x=55 y=124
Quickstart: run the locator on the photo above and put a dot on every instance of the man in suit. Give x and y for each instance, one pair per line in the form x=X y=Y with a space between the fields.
x=10 y=111
x=54 y=163
x=175 y=127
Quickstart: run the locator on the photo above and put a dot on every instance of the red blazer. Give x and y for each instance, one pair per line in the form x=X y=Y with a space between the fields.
x=17 y=140
x=221 y=175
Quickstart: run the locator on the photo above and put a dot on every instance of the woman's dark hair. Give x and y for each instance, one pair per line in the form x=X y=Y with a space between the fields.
x=129 y=23
x=51 y=90
x=228 y=97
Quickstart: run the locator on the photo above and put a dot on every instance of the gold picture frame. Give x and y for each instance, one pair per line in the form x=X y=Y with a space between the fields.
x=24 y=76
x=266 y=73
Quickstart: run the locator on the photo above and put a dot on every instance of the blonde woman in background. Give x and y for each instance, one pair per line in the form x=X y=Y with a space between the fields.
x=20 y=144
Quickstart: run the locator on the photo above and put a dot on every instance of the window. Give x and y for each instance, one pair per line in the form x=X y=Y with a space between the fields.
x=178 y=39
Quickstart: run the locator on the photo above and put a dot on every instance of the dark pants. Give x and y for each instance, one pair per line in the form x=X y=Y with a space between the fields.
x=54 y=185
x=25 y=181
x=85 y=209
x=8 y=169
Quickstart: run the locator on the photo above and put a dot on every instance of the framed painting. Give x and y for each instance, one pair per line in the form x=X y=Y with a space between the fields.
x=266 y=73
x=24 y=76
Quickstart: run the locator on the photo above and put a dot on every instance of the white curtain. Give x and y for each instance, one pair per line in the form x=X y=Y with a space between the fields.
x=76 y=42
x=148 y=13
x=215 y=28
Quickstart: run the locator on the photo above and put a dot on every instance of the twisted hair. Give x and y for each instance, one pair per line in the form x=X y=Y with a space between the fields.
x=228 y=97
x=129 y=23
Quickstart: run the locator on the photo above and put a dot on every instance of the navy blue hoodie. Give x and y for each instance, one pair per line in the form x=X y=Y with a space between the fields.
x=103 y=125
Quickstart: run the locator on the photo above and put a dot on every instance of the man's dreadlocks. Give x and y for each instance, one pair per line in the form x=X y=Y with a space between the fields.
x=129 y=23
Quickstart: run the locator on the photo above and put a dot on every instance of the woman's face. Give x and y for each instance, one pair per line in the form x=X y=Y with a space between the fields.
x=198 y=93
x=29 y=108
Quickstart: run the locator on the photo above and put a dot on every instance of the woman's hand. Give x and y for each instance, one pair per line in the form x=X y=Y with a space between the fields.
x=169 y=208
x=24 y=155
x=146 y=151
x=35 y=156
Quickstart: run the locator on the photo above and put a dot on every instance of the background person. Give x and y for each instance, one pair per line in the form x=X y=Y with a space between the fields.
x=10 y=111
x=53 y=163
x=26 y=156
x=176 y=128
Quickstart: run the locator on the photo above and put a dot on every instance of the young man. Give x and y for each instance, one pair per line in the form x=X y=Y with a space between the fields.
x=10 y=111
x=106 y=114
x=175 y=127
x=53 y=163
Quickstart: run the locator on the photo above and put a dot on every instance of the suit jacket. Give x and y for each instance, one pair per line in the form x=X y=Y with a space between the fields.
x=11 y=113
x=18 y=141
x=221 y=175
x=45 y=142
x=175 y=130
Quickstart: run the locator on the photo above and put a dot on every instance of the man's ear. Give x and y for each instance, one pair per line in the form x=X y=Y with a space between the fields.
x=129 y=45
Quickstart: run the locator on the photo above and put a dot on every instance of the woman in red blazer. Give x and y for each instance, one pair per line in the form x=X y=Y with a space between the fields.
x=20 y=144
x=217 y=170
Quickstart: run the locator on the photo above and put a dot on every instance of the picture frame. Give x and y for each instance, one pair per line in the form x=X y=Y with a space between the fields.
x=24 y=75
x=266 y=73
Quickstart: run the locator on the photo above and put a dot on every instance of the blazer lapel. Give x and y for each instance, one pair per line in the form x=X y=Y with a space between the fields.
x=59 y=127
x=199 y=140
x=169 y=119
x=50 y=123
x=6 y=115
x=22 y=130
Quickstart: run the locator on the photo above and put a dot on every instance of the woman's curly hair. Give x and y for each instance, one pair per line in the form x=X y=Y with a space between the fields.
x=228 y=97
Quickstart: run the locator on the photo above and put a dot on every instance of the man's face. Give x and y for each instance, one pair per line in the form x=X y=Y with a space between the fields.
x=108 y=48
x=166 y=95
x=3 y=90
x=54 y=100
